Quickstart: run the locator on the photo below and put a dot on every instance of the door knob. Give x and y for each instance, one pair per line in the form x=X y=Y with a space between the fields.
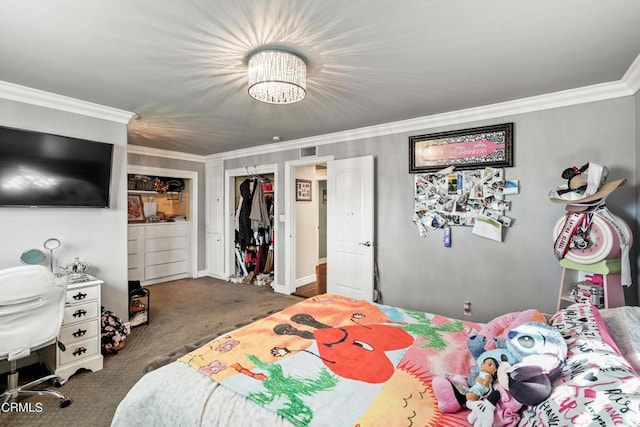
x=367 y=243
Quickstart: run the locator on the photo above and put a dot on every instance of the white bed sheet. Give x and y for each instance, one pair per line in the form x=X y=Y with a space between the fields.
x=624 y=325
x=158 y=400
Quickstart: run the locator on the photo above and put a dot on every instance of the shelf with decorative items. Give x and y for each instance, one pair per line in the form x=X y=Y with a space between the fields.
x=156 y=199
x=139 y=307
x=599 y=283
x=152 y=193
x=592 y=266
x=591 y=244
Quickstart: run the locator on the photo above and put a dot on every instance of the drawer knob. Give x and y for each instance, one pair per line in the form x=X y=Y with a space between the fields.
x=79 y=313
x=79 y=351
x=79 y=296
x=79 y=333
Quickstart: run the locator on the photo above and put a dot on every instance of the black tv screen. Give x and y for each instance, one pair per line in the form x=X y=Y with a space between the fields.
x=43 y=170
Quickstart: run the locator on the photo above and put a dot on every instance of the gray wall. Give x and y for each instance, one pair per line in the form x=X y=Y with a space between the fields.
x=96 y=236
x=166 y=163
x=521 y=272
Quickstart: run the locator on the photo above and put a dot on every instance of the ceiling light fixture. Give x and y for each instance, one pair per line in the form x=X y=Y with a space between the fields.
x=277 y=77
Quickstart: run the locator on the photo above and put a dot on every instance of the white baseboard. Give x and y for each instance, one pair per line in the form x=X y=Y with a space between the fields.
x=305 y=280
x=164 y=279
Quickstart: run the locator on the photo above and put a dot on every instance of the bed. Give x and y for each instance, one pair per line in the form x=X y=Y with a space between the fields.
x=293 y=368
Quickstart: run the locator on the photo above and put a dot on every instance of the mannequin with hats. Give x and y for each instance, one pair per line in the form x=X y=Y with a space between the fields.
x=589 y=236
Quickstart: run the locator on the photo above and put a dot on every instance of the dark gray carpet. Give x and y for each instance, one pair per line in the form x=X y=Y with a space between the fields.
x=183 y=312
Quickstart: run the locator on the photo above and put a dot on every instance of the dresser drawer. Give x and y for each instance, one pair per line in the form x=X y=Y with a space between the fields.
x=134 y=232
x=77 y=332
x=133 y=273
x=162 y=257
x=165 y=243
x=80 y=312
x=75 y=296
x=169 y=269
x=133 y=259
x=78 y=351
x=132 y=246
x=166 y=230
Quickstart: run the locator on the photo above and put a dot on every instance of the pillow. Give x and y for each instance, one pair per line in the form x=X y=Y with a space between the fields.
x=622 y=324
x=597 y=386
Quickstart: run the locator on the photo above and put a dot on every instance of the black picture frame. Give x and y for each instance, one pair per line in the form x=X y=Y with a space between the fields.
x=473 y=148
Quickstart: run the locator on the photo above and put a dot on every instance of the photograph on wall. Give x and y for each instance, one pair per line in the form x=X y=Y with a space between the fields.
x=459 y=198
x=135 y=211
x=303 y=190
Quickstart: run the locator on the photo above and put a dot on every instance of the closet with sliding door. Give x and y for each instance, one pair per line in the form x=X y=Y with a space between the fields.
x=254 y=245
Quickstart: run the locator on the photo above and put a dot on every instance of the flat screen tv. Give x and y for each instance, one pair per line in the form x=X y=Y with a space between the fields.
x=43 y=170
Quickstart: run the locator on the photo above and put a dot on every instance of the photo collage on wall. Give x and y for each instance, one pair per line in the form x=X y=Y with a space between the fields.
x=474 y=198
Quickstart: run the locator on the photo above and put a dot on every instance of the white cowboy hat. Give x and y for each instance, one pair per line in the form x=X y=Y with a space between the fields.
x=585 y=186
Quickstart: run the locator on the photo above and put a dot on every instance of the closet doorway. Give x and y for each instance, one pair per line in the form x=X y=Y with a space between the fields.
x=256 y=175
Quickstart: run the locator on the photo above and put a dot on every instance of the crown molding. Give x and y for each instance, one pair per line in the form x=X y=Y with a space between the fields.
x=632 y=76
x=627 y=86
x=565 y=98
x=156 y=152
x=41 y=98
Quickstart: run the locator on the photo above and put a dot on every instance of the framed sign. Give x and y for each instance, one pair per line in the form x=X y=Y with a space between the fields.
x=303 y=190
x=488 y=146
x=135 y=213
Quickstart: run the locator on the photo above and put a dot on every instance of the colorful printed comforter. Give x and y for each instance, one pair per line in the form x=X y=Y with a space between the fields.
x=332 y=360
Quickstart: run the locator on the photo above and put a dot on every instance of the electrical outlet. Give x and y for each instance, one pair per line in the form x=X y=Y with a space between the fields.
x=466 y=309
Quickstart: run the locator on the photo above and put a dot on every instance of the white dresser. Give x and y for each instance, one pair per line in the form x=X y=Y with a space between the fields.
x=79 y=342
x=158 y=252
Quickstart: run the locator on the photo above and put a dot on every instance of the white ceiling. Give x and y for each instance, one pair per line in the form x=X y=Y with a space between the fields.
x=181 y=64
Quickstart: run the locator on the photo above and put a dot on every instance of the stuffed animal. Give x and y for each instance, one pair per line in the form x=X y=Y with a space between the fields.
x=532 y=358
x=494 y=334
x=541 y=351
x=451 y=391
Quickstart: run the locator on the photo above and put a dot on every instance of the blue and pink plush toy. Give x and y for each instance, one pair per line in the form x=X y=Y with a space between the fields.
x=530 y=356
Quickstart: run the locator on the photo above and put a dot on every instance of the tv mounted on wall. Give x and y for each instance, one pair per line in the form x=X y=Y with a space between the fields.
x=44 y=170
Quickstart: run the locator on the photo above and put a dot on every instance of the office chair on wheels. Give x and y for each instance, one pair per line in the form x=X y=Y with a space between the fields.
x=31 y=313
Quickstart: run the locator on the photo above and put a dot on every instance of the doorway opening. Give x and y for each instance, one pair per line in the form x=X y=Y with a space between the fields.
x=306 y=226
x=311 y=233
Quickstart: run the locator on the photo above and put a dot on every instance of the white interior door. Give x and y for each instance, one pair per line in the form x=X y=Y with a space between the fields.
x=350 y=227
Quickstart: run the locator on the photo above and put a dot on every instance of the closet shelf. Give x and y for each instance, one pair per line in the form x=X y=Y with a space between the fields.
x=150 y=192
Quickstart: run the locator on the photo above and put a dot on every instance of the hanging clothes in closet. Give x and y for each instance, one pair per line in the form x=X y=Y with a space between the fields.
x=244 y=233
x=259 y=213
x=253 y=228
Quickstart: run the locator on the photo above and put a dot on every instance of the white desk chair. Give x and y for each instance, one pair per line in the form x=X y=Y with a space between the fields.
x=31 y=312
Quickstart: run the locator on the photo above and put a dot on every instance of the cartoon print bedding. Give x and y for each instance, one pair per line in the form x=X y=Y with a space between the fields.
x=344 y=360
x=598 y=386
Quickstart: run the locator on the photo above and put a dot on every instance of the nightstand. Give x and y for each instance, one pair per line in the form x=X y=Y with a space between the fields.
x=79 y=340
